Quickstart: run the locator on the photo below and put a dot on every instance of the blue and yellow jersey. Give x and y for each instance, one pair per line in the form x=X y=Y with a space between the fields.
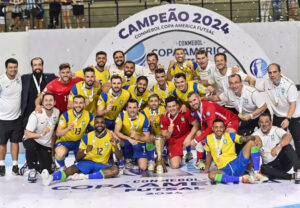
x=189 y=73
x=163 y=94
x=142 y=100
x=156 y=125
x=227 y=151
x=191 y=87
x=139 y=125
x=101 y=147
x=102 y=76
x=118 y=103
x=91 y=94
x=127 y=81
x=83 y=123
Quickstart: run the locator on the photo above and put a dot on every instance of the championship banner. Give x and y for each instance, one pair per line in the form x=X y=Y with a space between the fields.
x=164 y=28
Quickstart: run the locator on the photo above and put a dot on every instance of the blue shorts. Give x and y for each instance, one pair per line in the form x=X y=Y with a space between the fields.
x=88 y=166
x=110 y=124
x=71 y=146
x=139 y=151
x=237 y=167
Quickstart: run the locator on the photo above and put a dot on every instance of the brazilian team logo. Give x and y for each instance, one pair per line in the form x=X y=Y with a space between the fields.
x=106 y=144
x=225 y=141
x=61 y=121
x=83 y=123
x=121 y=102
x=182 y=119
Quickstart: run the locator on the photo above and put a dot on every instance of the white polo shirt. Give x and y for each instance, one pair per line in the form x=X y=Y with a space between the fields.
x=38 y=121
x=251 y=100
x=207 y=73
x=280 y=96
x=151 y=78
x=269 y=141
x=113 y=69
x=10 y=97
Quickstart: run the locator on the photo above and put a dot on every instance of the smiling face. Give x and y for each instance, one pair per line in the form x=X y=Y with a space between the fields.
x=265 y=124
x=132 y=109
x=129 y=69
x=116 y=85
x=153 y=103
x=194 y=102
x=101 y=60
x=65 y=75
x=235 y=84
x=78 y=105
x=180 y=56
x=180 y=83
x=141 y=86
x=220 y=62
x=48 y=102
x=274 y=74
x=161 y=78
x=172 y=108
x=37 y=66
x=11 y=70
x=152 y=62
x=218 y=128
x=202 y=60
x=89 y=78
x=99 y=125
x=119 y=59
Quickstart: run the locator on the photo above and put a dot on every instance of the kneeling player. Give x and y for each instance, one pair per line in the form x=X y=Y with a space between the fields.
x=179 y=129
x=220 y=147
x=92 y=156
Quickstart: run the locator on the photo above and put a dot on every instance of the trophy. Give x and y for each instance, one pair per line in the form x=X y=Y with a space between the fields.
x=160 y=166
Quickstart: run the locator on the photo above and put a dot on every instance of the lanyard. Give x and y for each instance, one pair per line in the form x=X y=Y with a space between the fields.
x=167 y=92
x=141 y=98
x=241 y=102
x=133 y=127
x=77 y=116
x=200 y=114
x=85 y=92
x=218 y=148
x=37 y=85
x=113 y=97
x=101 y=135
x=172 y=120
x=277 y=92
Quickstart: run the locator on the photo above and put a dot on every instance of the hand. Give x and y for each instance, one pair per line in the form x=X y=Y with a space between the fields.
x=38 y=109
x=205 y=171
x=133 y=142
x=87 y=101
x=160 y=66
x=71 y=126
x=45 y=130
x=133 y=135
x=189 y=65
x=285 y=123
x=109 y=107
x=258 y=141
x=210 y=89
x=89 y=148
x=275 y=151
x=193 y=143
x=113 y=137
x=152 y=119
x=245 y=117
x=172 y=63
x=96 y=83
x=235 y=69
x=183 y=109
x=171 y=129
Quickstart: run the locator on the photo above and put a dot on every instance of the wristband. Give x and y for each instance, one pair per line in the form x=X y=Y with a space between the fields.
x=289 y=119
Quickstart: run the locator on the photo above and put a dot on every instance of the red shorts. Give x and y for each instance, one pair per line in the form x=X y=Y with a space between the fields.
x=175 y=146
x=233 y=124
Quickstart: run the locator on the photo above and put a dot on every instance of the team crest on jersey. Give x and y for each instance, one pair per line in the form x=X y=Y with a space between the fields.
x=161 y=126
x=225 y=141
x=61 y=121
x=282 y=90
x=272 y=137
x=83 y=123
x=121 y=102
x=106 y=144
x=208 y=113
x=55 y=119
x=246 y=101
x=182 y=119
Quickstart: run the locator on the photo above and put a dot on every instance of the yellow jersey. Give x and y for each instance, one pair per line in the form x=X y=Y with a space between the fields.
x=227 y=147
x=163 y=93
x=91 y=94
x=191 y=87
x=83 y=123
x=156 y=124
x=126 y=81
x=189 y=73
x=102 y=76
x=142 y=100
x=119 y=103
x=139 y=125
x=102 y=147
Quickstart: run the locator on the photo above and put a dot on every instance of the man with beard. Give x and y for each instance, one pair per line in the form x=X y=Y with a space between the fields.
x=89 y=89
x=112 y=103
x=206 y=112
x=179 y=129
x=132 y=127
x=40 y=137
x=127 y=75
x=101 y=72
x=72 y=126
x=139 y=92
x=153 y=113
x=60 y=87
x=119 y=64
x=181 y=66
x=149 y=72
x=278 y=155
x=92 y=157
x=32 y=85
x=162 y=88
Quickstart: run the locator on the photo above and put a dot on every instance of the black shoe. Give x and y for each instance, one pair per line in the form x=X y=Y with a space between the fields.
x=2 y=170
x=15 y=170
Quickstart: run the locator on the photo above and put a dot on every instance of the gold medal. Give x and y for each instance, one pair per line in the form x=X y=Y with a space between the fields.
x=240 y=114
x=172 y=124
x=50 y=127
x=276 y=104
x=91 y=99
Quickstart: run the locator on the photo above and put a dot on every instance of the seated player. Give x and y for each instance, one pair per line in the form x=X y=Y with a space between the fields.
x=88 y=88
x=139 y=92
x=153 y=113
x=179 y=129
x=162 y=88
x=72 y=126
x=133 y=128
x=92 y=156
x=39 y=137
x=206 y=112
x=127 y=75
x=220 y=148
x=112 y=103
x=278 y=155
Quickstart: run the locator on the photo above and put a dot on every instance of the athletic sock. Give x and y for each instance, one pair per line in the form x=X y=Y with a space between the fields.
x=15 y=162
x=255 y=155
x=121 y=163
x=59 y=175
x=60 y=162
x=97 y=175
x=188 y=149
x=222 y=178
x=200 y=156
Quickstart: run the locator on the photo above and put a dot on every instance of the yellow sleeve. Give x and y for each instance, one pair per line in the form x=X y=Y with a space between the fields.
x=101 y=102
x=201 y=89
x=237 y=139
x=84 y=142
x=79 y=73
x=206 y=147
x=62 y=121
x=119 y=120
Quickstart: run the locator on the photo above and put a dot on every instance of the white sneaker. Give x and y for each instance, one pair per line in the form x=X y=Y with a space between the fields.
x=260 y=177
x=151 y=165
x=200 y=165
x=78 y=176
x=247 y=179
x=46 y=177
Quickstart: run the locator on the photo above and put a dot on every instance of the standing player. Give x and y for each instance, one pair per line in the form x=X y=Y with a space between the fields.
x=206 y=112
x=179 y=129
x=40 y=137
x=149 y=72
x=127 y=75
x=89 y=89
x=92 y=156
x=153 y=113
x=139 y=92
x=163 y=88
x=112 y=103
x=220 y=148
x=133 y=128
x=60 y=87
x=181 y=66
x=10 y=111
x=73 y=124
